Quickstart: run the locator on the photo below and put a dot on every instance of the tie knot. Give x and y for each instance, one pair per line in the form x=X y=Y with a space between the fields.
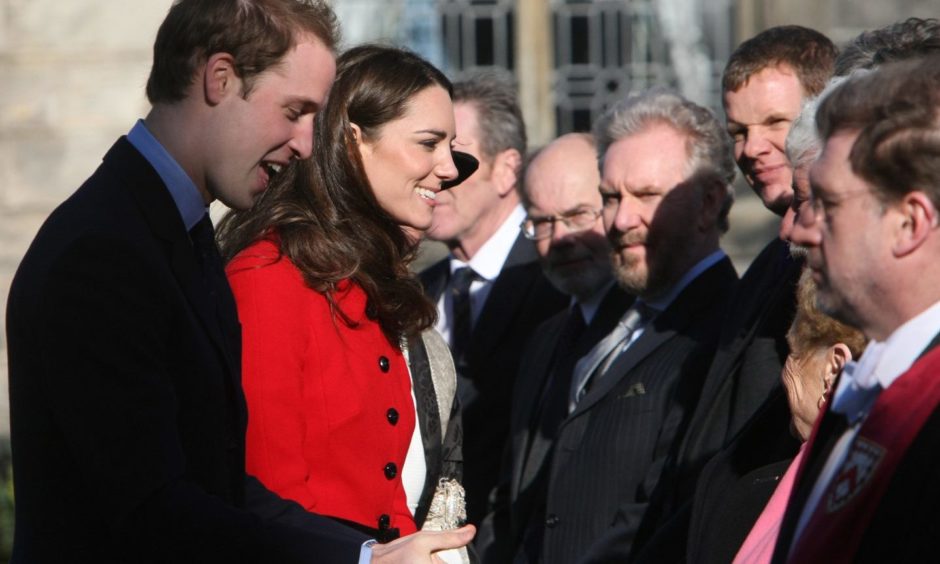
x=637 y=315
x=203 y=231
x=461 y=279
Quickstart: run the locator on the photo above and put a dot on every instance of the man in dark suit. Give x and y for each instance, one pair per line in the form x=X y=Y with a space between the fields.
x=869 y=474
x=490 y=291
x=765 y=83
x=563 y=210
x=128 y=417
x=666 y=173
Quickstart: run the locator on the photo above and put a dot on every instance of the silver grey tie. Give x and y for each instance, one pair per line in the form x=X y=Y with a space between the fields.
x=596 y=362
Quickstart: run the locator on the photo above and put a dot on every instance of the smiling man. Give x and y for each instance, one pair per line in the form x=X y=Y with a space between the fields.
x=873 y=239
x=127 y=413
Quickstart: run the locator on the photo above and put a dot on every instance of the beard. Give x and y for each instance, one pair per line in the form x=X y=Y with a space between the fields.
x=666 y=258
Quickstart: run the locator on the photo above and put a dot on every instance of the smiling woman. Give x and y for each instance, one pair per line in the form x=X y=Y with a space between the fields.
x=350 y=390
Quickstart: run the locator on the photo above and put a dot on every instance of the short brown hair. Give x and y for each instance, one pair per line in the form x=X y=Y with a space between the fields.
x=812 y=329
x=257 y=33
x=896 y=111
x=809 y=53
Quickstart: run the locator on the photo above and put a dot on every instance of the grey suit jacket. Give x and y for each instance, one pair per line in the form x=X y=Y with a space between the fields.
x=610 y=451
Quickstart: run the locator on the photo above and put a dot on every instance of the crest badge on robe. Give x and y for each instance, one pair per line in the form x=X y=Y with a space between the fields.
x=859 y=466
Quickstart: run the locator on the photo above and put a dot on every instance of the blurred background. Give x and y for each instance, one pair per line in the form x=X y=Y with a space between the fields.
x=72 y=78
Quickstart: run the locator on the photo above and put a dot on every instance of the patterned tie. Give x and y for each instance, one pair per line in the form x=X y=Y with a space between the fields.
x=598 y=360
x=462 y=325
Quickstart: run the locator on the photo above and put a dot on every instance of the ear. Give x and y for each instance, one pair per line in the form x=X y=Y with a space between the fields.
x=839 y=356
x=713 y=198
x=220 y=79
x=918 y=218
x=357 y=138
x=505 y=173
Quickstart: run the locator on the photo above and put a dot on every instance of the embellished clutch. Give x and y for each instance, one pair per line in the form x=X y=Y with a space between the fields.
x=448 y=511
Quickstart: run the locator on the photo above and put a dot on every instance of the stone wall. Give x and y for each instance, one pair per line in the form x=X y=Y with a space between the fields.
x=73 y=76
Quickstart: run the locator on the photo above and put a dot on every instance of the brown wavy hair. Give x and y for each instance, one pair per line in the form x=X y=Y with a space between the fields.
x=323 y=211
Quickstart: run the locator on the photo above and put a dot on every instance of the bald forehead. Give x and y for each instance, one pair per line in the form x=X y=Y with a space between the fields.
x=565 y=169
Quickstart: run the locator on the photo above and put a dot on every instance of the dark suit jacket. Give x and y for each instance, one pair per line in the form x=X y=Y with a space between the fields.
x=744 y=375
x=520 y=495
x=127 y=411
x=736 y=484
x=520 y=299
x=610 y=451
x=905 y=526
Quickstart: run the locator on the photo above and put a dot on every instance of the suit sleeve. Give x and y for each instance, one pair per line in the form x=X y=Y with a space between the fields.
x=110 y=384
x=274 y=309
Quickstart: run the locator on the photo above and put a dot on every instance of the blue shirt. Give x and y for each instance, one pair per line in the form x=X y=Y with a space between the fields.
x=182 y=188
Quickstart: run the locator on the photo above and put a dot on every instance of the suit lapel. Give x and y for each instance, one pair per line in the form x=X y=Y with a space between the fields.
x=157 y=207
x=506 y=297
x=612 y=307
x=434 y=278
x=685 y=308
x=531 y=384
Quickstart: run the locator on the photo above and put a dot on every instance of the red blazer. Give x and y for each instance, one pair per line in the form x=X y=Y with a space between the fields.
x=330 y=408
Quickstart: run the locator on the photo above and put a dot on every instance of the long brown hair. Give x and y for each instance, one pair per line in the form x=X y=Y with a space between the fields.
x=326 y=217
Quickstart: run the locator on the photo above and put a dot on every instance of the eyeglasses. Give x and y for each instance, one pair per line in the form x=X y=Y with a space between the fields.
x=536 y=228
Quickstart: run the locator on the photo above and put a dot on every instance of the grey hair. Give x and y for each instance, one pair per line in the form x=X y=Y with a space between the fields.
x=803 y=142
x=914 y=37
x=500 y=123
x=708 y=145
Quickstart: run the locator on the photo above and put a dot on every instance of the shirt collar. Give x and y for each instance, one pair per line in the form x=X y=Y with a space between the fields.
x=181 y=187
x=488 y=261
x=883 y=362
x=663 y=302
x=590 y=306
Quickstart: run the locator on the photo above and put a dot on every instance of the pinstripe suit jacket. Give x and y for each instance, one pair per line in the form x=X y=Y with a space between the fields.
x=609 y=452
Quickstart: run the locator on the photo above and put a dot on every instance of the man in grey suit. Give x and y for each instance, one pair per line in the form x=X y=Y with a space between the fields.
x=490 y=291
x=563 y=217
x=666 y=171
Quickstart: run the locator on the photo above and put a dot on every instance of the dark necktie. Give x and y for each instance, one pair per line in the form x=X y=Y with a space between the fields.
x=213 y=273
x=462 y=325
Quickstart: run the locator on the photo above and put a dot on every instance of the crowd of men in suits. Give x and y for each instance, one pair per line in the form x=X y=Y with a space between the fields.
x=647 y=418
x=619 y=382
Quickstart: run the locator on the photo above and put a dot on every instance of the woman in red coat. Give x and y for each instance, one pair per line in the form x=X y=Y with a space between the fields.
x=350 y=396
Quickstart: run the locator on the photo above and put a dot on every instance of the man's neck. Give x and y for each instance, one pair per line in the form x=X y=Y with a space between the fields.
x=467 y=246
x=178 y=132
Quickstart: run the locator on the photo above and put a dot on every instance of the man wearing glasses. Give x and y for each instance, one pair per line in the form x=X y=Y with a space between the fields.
x=563 y=218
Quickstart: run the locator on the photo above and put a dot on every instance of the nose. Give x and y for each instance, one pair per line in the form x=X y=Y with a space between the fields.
x=806 y=228
x=446 y=169
x=560 y=231
x=754 y=144
x=301 y=141
x=625 y=218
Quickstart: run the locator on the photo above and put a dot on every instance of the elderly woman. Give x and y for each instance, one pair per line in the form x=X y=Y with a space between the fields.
x=819 y=348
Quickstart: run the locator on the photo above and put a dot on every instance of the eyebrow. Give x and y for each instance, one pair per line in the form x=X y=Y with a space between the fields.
x=306 y=104
x=434 y=132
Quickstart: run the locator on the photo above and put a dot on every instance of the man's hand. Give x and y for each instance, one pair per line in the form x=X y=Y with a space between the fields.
x=419 y=547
